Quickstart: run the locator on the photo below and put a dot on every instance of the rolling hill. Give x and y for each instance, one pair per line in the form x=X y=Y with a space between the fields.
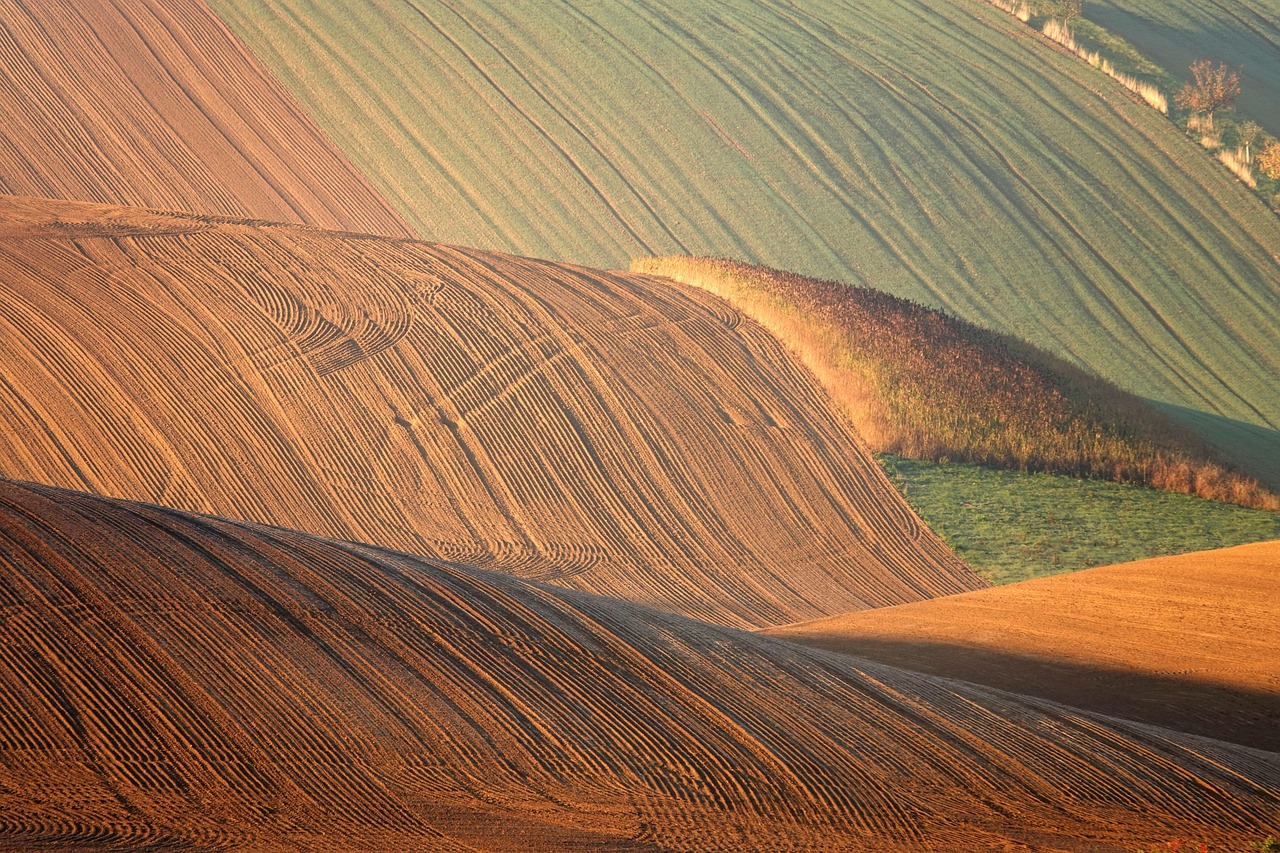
x=920 y=383
x=604 y=431
x=155 y=104
x=1181 y=641
x=935 y=150
x=180 y=682
x=1242 y=33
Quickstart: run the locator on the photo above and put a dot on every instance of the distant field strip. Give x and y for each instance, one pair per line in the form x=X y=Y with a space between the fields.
x=1174 y=641
x=935 y=150
x=156 y=104
x=603 y=431
x=171 y=680
x=1175 y=33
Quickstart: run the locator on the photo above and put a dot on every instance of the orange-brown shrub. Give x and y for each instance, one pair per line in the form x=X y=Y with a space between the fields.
x=920 y=383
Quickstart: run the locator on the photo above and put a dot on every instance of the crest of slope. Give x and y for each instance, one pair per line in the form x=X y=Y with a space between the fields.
x=173 y=681
x=602 y=431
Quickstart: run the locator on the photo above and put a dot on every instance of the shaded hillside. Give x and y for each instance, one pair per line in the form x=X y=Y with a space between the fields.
x=933 y=149
x=920 y=383
x=604 y=431
x=154 y=103
x=1186 y=641
x=171 y=680
x=1175 y=33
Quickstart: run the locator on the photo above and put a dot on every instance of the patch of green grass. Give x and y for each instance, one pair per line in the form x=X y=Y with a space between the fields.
x=1011 y=526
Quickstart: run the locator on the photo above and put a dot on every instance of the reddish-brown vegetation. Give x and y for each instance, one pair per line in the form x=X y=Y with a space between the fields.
x=177 y=682
x=1213 y=88
x=1187 y=641
x=601 y=431
x=920 y=383
x=156 y=104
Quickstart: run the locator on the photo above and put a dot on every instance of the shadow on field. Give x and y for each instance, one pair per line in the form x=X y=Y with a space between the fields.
x=1182 y=703
x=1175 y=47
x=1252 y=448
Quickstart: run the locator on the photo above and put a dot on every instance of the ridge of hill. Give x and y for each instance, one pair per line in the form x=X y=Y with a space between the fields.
x=919 y=383
x=604 y=431
x=934 y=150
x=1244 y=34
x=1185 y=642
x=179 y=681
x=156 y=104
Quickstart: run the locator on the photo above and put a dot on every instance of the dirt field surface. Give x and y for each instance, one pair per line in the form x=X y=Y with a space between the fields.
x=606 y=432
x=177 y=681
x=156 y=104
x=1186 y=642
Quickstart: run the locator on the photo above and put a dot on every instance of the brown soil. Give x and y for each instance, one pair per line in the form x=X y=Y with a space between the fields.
x=156 y=104
x=1187 y=642
x=606 y=432
x=171 y=681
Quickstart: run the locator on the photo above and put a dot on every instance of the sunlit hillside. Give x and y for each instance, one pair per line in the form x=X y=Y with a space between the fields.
x=608 y=432
x=937 y=150
x=1176 y=641
x=178 y=682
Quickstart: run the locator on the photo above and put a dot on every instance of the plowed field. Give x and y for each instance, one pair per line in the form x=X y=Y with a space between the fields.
x=606 y=432
x=154 y=103
x=935 y=149
x=178 y=681
x=1184 y=641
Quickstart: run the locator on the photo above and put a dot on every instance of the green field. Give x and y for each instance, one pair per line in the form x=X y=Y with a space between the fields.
x=1012 y=526
x=938 y=150
x=1175 y=33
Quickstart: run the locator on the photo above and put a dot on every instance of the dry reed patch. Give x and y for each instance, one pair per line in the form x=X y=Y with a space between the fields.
x=919 y=383
x=1238 y=161
x=1055 y=31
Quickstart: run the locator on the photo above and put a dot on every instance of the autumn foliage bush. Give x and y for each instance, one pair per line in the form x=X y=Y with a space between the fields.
x=917 y=382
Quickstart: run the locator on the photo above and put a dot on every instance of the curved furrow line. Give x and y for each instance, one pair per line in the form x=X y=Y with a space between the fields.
x=391 y=696
x=132 y=102
x=606 y=431
x=792 y=137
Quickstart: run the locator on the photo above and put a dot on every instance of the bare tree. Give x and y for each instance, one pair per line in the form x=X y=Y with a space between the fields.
x=1213 y=88
x=1247 y=133
x=1067 y=11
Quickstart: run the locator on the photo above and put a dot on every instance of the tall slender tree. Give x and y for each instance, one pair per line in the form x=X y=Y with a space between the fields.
x=1248 y=133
